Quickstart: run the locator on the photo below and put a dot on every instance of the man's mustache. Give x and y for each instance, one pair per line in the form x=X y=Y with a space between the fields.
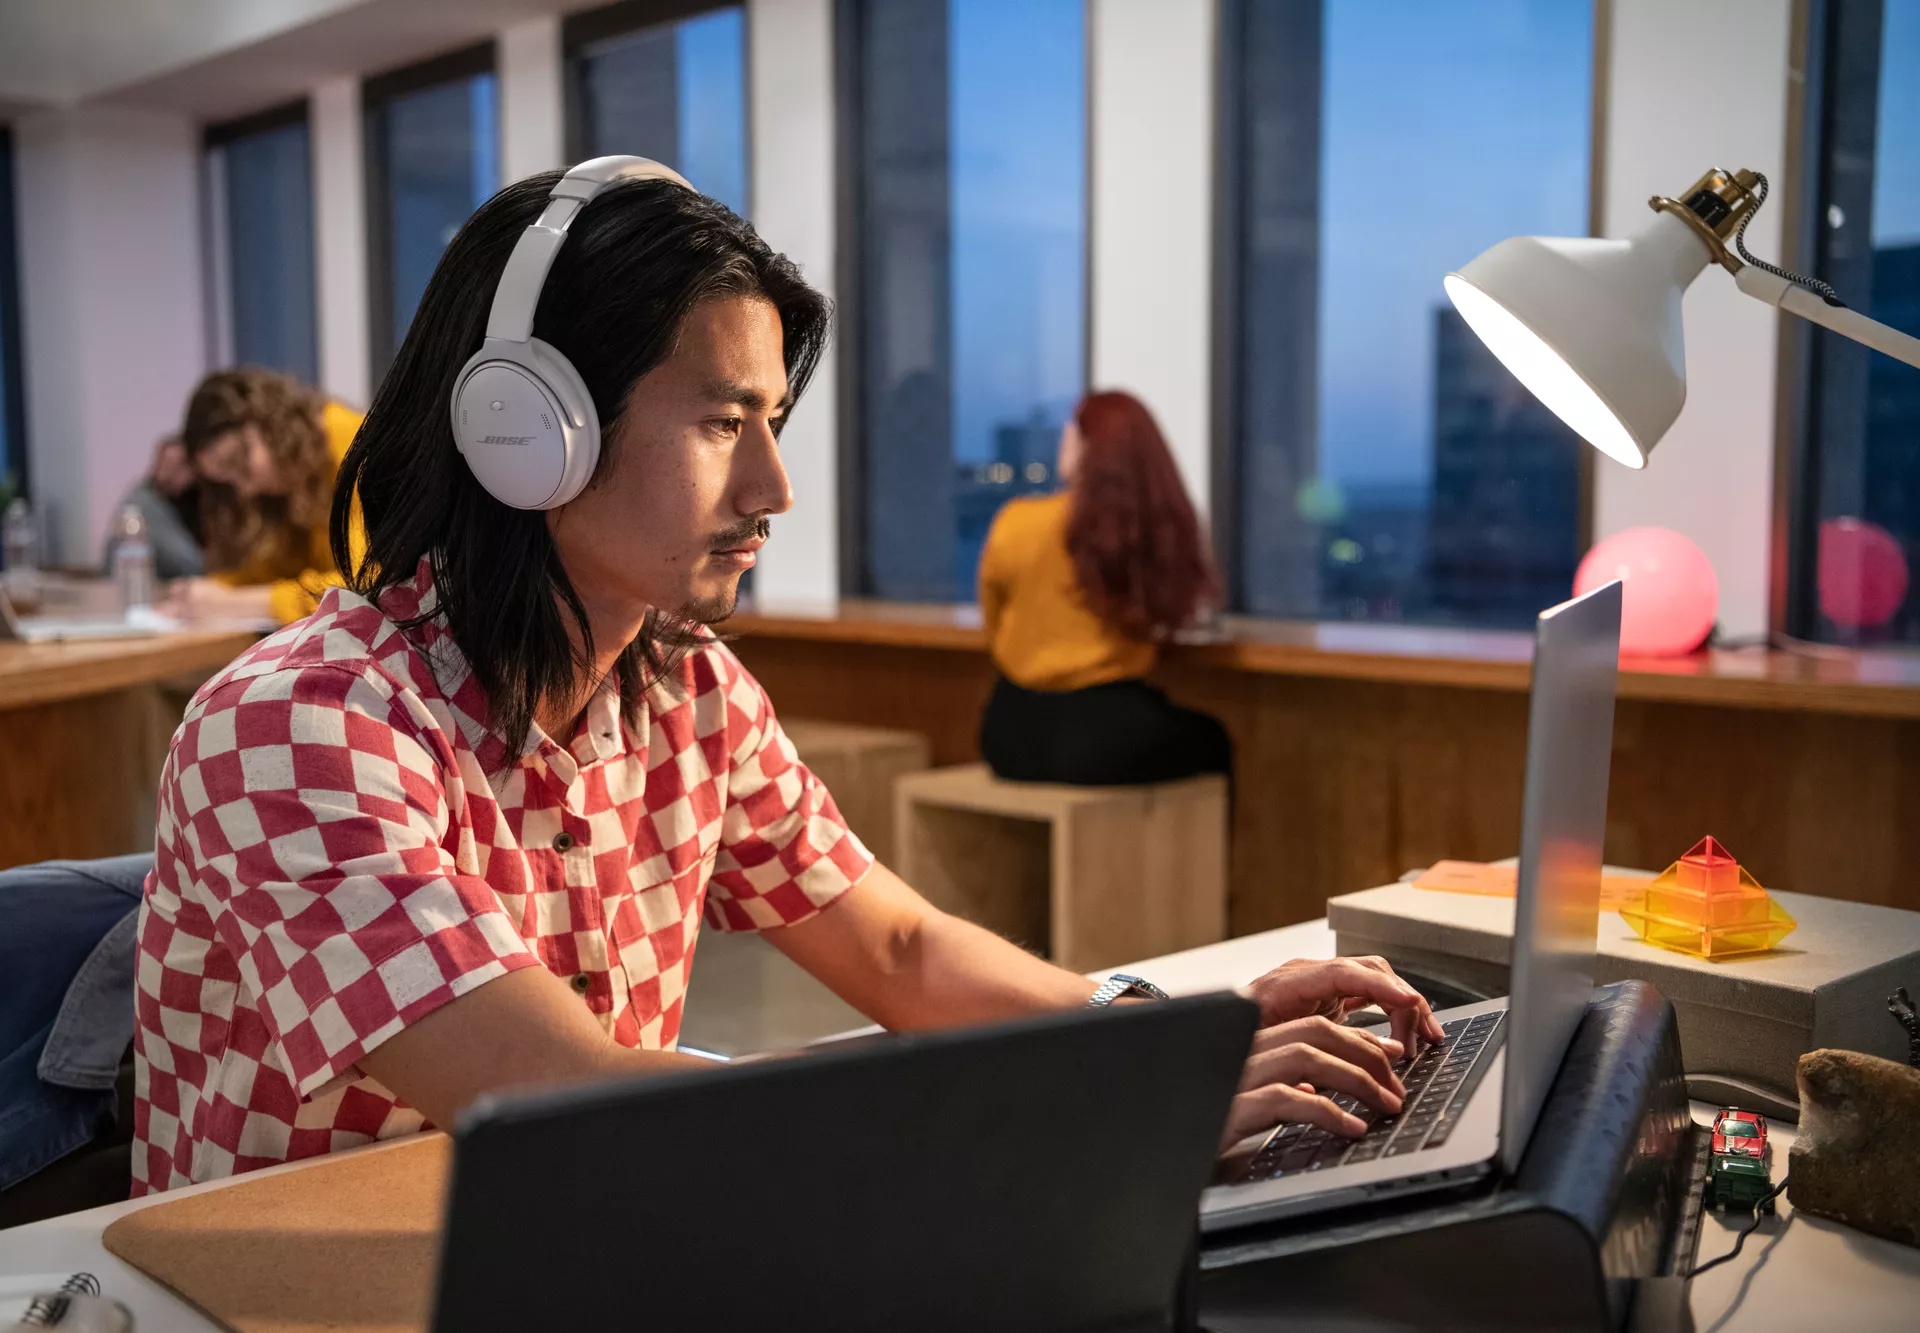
x=743 y=532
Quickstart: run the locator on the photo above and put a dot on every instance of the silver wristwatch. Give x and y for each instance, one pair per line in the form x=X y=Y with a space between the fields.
x=1121 y=984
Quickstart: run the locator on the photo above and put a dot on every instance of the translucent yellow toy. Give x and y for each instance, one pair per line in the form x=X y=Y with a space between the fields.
x=1707 y=905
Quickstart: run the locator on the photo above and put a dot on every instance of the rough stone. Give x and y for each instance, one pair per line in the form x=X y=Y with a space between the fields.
x=1856 y=1154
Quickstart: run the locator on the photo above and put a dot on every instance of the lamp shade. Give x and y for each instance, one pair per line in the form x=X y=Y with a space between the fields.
x=1591 y=327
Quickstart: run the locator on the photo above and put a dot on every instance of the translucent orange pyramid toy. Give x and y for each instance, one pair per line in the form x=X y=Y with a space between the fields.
x=1707 y=905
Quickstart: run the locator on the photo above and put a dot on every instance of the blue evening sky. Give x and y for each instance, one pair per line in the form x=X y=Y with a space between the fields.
x=1476 y=116
x=1896 y=166
x=710 y=53
x=1017 y=108
x=1445 y=128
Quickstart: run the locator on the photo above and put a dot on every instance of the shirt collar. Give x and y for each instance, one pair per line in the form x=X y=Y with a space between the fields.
x=600 y=736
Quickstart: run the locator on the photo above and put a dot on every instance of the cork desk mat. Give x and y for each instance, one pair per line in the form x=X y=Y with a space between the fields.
x=346 y=1244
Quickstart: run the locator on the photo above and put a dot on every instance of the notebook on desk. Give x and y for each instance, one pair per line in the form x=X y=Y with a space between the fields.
x=16 y=628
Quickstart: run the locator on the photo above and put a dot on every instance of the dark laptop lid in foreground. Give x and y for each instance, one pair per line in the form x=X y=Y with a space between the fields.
x=1034 y=1176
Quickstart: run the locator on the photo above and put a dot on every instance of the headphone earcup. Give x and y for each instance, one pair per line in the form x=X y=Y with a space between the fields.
x=525 y=424
x=583 y=438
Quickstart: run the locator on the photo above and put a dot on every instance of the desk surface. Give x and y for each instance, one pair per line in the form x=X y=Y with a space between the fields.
x=1884 y=683
x=1813 y=1274
x=42 y=673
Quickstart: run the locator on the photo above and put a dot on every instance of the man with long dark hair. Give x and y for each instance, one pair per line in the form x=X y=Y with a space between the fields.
x=458 y=829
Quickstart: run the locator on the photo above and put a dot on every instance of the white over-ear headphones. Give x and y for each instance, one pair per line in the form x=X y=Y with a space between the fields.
x=522 y=417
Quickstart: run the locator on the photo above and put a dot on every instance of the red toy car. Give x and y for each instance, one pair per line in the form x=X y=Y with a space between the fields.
x=1740 y=1133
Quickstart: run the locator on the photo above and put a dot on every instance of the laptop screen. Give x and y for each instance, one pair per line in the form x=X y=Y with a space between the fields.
x=1563 y=828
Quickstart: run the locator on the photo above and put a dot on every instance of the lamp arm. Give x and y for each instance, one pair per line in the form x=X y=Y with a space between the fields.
x=1777 y=291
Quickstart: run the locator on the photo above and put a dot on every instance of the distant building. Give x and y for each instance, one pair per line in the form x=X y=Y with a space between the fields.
x=1504 y=534
x=1891 y=462
x=1024 y=453
x=1373 y=558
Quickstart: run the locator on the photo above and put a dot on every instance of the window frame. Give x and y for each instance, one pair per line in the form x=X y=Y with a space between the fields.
x=850 y=262
x=12 y=354
x=1800 y=381
x=377 y=93
x=593 y=26
x=216 y=244
x=1226 y=469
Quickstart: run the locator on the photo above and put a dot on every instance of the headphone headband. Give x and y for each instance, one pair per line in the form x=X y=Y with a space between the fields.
x=518 y=295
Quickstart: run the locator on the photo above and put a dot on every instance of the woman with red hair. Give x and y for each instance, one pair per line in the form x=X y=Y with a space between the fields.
x=1079 y=589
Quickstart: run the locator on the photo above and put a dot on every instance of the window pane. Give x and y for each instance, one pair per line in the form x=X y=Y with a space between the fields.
x=13 y=439
x=1865 y=407
x=1389 y=467
x=441 y=162
x=675 y=93
x=972 y=237
x=269 y=232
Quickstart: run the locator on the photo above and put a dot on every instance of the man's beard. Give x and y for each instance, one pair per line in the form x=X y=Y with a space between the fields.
x=713 y=610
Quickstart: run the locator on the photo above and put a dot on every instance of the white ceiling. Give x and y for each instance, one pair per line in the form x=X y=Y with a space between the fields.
x=219 y=58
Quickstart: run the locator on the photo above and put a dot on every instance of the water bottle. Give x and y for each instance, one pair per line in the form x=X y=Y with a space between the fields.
x=20 y=539
x=132 y=559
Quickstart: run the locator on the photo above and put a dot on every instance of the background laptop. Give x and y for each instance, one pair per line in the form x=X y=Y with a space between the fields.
x=1472 y=1100
x=1040 y=1175
x=51 y=629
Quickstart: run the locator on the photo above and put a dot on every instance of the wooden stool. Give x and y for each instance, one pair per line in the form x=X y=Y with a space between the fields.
x=1091 y=876
x=859 y=765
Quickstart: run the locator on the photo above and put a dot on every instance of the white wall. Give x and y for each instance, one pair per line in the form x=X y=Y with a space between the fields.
x=532 y=106
x=1151 y=68
x=1712 y=476
x=111 y=305
x=792 y=203
x=340 y=240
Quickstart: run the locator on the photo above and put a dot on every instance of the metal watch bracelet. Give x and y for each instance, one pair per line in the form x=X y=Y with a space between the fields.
x=1120 y=984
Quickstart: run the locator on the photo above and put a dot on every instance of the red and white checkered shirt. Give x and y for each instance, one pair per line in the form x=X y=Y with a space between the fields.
x=341 y=850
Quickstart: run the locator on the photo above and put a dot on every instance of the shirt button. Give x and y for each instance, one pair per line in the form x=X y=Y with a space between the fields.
x=581 y=983
x=563 y=842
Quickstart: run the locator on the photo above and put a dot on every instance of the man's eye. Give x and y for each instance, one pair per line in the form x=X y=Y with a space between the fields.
x=729 y=426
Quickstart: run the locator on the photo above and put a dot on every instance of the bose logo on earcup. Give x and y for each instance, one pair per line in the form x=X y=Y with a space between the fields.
x=506 y=439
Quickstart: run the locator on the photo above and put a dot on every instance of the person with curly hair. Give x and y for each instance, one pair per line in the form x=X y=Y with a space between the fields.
x=266 y=450
x=1078 y=591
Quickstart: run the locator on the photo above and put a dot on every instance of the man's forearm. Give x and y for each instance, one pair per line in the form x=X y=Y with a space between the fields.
x=952 y=972
x=888 y=953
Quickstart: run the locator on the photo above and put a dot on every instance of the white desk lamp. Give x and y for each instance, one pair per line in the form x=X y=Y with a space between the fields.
x=1592 y=327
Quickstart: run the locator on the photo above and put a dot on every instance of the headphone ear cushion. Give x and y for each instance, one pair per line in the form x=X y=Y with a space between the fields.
x=576 y=403
x=525 y=424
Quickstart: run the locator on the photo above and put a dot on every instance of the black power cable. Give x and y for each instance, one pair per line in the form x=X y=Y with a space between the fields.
x=1814 y=285
x=1745 y=1231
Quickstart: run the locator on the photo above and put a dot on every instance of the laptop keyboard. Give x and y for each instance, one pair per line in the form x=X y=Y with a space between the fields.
x=1440 y=1081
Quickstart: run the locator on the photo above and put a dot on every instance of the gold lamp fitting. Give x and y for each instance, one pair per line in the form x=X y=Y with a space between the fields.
x=1715 y=206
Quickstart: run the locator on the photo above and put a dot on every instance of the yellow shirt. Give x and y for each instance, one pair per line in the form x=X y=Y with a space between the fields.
x=296 y=592
x=1041 y=631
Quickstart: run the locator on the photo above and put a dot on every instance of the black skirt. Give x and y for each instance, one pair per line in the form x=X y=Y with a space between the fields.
x=1123 y=732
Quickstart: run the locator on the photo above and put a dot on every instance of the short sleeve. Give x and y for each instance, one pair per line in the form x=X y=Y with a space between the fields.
x=785 y=852
x=311 y=806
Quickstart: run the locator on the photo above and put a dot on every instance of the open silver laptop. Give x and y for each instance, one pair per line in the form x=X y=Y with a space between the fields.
x=1472 y=1100
x=16 y=628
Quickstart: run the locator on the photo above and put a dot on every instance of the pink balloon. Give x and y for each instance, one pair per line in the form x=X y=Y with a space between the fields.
x=1671 y=594
x=1862 y=574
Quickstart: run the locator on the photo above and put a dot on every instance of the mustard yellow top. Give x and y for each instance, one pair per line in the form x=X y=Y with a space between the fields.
x=296 y=592
x=1042 y=633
